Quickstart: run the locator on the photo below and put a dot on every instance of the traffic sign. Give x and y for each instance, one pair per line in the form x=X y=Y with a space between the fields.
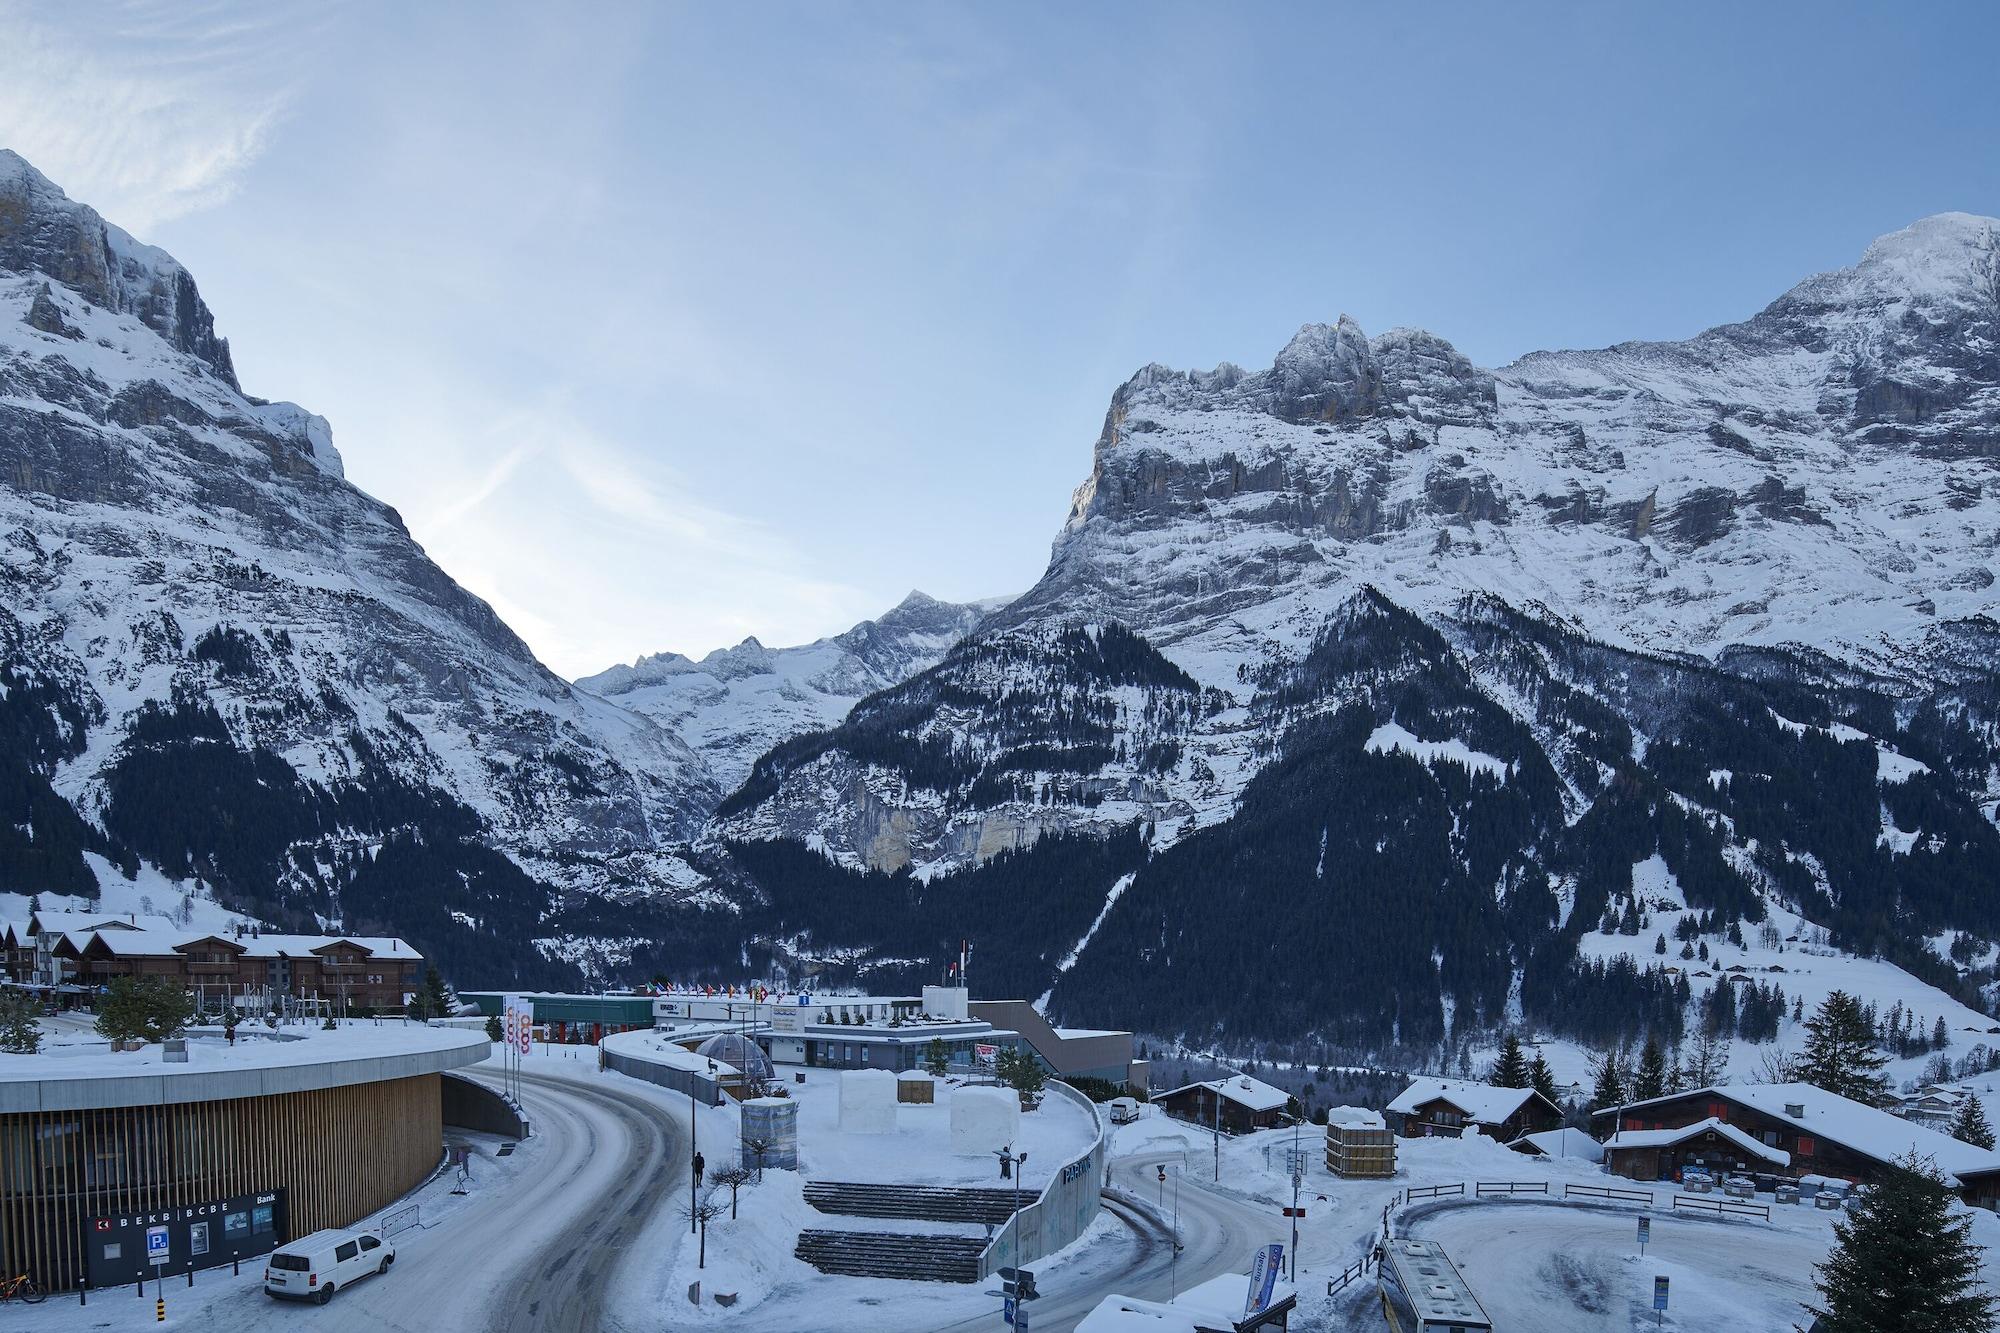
x=1645 y=1234
x=1007 y=1308
x=158 y=1250
x=1659 y=1293
x=1295 y=1212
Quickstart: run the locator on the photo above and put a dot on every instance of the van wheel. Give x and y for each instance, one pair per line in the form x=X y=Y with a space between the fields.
x=326 y=1293
x=383 y=1267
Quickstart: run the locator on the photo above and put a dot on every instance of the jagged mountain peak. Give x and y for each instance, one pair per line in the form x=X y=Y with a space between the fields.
x=1948 y=259
x=43 y=230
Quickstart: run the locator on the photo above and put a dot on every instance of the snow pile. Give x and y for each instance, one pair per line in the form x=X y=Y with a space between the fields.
x=984 y=1120
x=867 y=1101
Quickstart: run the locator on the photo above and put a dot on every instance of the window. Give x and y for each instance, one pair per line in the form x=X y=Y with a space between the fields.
x=343 y=1253
x=370 y=1243
x=290 y=1263
x=1806 y=1146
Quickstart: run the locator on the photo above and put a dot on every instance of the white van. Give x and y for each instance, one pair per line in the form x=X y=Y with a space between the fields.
x=313 y=1267
x=1124 y=1110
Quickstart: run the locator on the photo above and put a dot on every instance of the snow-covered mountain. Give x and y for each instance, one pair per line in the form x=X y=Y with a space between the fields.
x=736 y=703
x=223 y=662
x=1728 y=601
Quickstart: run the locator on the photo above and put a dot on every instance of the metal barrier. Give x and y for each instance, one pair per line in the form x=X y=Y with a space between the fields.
x=1723 y=1207
x=1486 y=1187
x=1416 y=1192
x=400 y=1219
x=1598 y=1192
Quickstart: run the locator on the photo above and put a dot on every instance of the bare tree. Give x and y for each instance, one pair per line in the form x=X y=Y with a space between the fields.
x=732 y=1178
x=702 y=1208
x=758 y=1147
x=1779 y=1065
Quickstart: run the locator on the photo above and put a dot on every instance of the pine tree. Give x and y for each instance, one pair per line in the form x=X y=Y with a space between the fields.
x=1610 y=1087
x=1542 y=1078
x=1904 y=1262
x=937 y=1058
x=1840 y=1054
x=1970 y=1124
x=1651 y=1079
x=20 y=1034
x=1659 y=944
x=1940 y=1038
x=1511 y=1069
x=432 y=999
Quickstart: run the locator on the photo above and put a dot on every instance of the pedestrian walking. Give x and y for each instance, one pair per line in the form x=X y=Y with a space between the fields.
x=700 y=1165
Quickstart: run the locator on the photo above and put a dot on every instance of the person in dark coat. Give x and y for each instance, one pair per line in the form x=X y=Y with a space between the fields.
x=700 y=1165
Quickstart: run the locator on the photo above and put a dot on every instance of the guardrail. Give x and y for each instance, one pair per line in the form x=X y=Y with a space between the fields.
x=1486 y=1187
x=1723 y=1207
x=1617 y=1195
x=1059 y=1214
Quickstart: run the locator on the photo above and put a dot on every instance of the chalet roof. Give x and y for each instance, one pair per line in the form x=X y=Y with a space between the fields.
x=1867 y=1130
x=1664 y=1138
x=1562 y=1143
x=1244 y=1091
x=142 y=943
x=83 y=923
x=1482 y=1103
x=308 y=946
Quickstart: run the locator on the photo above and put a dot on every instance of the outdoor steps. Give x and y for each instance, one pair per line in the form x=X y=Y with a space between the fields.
x=927 y=1203
x=887 y=1254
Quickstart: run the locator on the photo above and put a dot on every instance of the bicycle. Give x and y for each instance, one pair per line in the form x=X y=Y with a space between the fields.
x=22 y=1289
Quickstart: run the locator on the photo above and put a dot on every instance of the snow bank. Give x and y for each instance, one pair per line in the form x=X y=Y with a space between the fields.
x=867 y=1101
x=984 y=1120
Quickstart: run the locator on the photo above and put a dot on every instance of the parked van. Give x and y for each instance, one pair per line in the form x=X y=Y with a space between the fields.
x=1124 y=1110
x=313 y=1267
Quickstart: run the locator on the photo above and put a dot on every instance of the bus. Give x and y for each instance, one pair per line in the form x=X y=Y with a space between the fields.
x=1422 y=1291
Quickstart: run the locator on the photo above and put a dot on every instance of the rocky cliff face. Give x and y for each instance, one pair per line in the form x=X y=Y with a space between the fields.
x=235 y=666
x=1557 y=606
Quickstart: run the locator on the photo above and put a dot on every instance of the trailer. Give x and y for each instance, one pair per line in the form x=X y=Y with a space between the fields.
x=1422 y=1291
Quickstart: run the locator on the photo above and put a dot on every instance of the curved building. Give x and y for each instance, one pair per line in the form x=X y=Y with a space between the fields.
x=117 y=1165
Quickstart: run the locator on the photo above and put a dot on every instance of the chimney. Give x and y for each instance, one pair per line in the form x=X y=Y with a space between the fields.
x=1796 y=1110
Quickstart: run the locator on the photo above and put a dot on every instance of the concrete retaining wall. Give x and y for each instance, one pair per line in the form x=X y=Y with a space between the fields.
x=469 y=1104
x=1066 y=1206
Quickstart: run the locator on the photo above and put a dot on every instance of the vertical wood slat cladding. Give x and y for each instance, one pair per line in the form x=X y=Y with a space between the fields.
x=338 y=1153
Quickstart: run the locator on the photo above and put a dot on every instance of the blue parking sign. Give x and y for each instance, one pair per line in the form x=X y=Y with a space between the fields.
x=157 y=1248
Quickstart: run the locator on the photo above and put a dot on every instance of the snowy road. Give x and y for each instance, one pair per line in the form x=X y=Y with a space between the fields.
x=544 y=1251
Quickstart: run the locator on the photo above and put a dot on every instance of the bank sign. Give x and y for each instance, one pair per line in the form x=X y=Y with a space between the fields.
x=122 y=1247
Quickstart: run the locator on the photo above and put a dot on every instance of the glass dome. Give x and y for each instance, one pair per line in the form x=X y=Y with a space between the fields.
x=738 y=1052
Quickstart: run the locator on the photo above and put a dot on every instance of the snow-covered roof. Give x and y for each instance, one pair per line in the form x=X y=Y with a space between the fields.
x=295 y=946
x=1355 y=1117
x=1244 y=1091
x=1482 y=1102
x=1867 y=1130
x=1563 y=1143
x=1661 y=1138
x=83 y=923
x=144 y=943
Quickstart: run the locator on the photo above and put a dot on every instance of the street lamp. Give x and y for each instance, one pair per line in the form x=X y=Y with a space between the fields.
x=1011 y=1160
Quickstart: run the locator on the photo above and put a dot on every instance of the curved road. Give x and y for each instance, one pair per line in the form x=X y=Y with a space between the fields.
x=540 y=1253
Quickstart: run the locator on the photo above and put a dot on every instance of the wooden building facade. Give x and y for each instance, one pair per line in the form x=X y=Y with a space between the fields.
x=74 y=1185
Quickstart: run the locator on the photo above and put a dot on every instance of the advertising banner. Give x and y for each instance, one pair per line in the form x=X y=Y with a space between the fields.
x=526 y=1019
x=1264 y=1266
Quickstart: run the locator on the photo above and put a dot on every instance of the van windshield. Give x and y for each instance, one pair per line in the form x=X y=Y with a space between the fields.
x=291 y=1263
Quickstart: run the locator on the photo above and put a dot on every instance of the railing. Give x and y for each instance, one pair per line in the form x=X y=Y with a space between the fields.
x=1723 y=1207
x=1416 y=1192
x=1509 y=1187
x=1617 y=1195
x=1060 y=1213
x=399 y=1219
x=1349 y=1275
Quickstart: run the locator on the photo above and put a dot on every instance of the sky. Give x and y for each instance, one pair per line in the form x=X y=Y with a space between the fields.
x=663 y=325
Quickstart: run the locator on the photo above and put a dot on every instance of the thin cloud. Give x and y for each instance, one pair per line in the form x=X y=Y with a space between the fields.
x=148 y=111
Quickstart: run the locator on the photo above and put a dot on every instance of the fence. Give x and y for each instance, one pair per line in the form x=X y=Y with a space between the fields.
x=1618 y=1195
x=1416 y=1192
x=1059 y=1214
x=1354 y=1272
x=1723 y=1207
x=1486 y=1187
x=400 y=1219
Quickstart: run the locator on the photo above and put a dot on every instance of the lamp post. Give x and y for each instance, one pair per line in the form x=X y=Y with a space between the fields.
x=1011 y=1160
